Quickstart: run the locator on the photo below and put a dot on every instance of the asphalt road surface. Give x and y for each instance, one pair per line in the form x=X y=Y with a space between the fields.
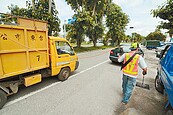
x=93 y=89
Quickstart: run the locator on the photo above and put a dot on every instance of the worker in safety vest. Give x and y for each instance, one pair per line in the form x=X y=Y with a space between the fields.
x=130 y=71
x=135 y=44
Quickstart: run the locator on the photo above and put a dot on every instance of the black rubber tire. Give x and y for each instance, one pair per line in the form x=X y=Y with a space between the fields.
x=113 y=61
x=3 y=98
x=64 y=74
x=158 y=85
x=170 y=112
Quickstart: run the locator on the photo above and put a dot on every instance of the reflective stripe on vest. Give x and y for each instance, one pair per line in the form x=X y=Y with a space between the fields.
x=132 y=67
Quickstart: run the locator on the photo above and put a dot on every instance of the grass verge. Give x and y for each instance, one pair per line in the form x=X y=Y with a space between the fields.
x=85 y=49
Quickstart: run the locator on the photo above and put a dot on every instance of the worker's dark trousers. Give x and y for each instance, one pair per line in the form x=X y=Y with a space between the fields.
x=128 y=86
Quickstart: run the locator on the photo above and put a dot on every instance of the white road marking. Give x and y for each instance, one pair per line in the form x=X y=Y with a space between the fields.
x=35 y=92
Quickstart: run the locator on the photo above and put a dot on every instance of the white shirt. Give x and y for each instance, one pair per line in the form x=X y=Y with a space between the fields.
x=141 y=63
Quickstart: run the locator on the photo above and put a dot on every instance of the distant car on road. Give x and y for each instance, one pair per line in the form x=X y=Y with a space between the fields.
x=118 y=51
x=159 y=49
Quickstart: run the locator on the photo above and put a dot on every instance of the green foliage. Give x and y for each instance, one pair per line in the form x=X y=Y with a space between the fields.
x=137 y=37
x=116 y=21
x=157 y=35
x=92 y=26
x=40 y=12
x=85 y=49
x=79 y=28
x=128 y=38
x=165 y=12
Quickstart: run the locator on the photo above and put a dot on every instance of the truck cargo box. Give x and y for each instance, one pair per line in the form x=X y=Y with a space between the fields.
x=23 y=47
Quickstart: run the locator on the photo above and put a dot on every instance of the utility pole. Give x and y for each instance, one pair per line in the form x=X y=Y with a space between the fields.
x=65 y=29
x=132 y=32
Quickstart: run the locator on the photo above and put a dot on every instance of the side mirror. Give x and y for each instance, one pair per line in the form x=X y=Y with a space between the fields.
x=158 y=55
x=72 y=53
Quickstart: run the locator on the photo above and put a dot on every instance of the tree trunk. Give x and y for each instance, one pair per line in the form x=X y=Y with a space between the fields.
x=105 y=42
x=118 y=42
x=50 y=32
x=94 y=9
x=79 y=41
x=50 y=5
x=94 y=43
x=33 y=4
x=78 y=5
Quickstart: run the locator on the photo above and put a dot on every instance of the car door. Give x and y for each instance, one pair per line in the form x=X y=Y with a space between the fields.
x=65 y=55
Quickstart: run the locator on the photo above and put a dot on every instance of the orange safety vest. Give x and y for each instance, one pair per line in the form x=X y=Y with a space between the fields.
x=132 y=67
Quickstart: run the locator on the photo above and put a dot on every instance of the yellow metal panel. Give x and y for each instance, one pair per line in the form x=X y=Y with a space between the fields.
x=30 y=80
x=32 y=39
x=13 y=62
x=38 y=59
x=23 y=48
x=1 y=71
x=29 y=23
x=37 y=39
x=11 y=38
x=42 y=38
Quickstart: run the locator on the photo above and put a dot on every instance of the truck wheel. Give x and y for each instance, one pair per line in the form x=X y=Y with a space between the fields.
x=170 y=112
x=158 y=85
x=3 y=98
x=64 y=74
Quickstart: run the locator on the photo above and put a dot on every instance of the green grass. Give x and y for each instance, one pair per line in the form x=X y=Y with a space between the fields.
x=85 y=49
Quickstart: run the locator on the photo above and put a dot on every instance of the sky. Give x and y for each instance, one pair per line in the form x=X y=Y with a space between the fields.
x=137 y=10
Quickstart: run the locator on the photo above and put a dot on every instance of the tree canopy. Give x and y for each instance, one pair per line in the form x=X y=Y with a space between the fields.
x=165 y=12
x=93 y=25
x=116 y=21
x=39 y=10
x=157 y=35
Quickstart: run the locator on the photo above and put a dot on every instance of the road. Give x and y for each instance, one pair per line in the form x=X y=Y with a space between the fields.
x=93 y=89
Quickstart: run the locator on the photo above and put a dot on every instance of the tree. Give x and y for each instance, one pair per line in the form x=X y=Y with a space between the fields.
x=78 y=29
x=157 y=35
x=127 y=38
x=116 y=21
x=95 y=29
x=40 y=11
x=137 y=37
x=95 y=10
x=165 y=12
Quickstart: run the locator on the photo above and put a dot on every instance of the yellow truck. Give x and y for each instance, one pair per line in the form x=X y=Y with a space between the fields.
x=28 y=54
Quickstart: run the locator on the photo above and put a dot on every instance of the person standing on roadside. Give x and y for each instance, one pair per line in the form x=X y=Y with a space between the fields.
x=135 y=44
x=130 y=71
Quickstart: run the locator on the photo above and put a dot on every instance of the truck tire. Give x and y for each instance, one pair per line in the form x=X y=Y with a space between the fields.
x=170 y=112
x=64 y=74
x=158 y=85
x=3 y=98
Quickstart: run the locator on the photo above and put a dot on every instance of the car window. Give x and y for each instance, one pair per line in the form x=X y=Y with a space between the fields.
x=126 y=49
x=63 y=48
x=164 y=52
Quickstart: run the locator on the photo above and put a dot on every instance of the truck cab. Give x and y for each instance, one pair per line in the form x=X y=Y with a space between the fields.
x=62 y=57
x=164 y=77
